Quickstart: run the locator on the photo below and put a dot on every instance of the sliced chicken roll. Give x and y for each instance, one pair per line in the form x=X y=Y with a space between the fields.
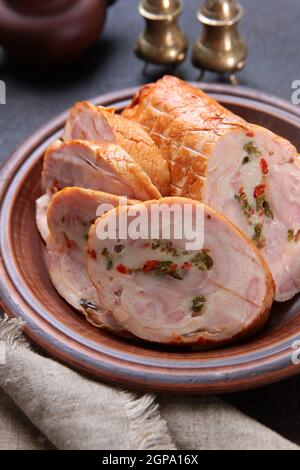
x=244 y=171
x=102 y=167
x=98 y=124
x=185 y=124
x=70 y=215
x=161 y=291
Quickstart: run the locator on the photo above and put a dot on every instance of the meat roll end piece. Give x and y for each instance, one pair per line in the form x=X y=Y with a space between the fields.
x=161 y=292
x=102 y=167
x=99 y=124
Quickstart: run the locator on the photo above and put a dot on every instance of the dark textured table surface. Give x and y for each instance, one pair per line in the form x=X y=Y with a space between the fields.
x=271 y=28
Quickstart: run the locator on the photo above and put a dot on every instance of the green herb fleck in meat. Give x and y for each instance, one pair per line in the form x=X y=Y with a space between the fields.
x=267 y=210
x=108 y=259
x=259 y=203
x=257 y=235
x=202 y=260
x=175 y=274
x=251 y=149
x=87 y=304
x=155 y=244
x=167 y=267
x=118 y=248
x=245 y=206
x=168 y=247
x=198 y=303
x=290 y=235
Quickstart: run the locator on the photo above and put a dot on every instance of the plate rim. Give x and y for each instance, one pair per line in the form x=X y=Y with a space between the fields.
x=224 y=379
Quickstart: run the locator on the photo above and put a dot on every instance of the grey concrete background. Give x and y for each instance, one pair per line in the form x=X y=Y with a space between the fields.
x=271 y=29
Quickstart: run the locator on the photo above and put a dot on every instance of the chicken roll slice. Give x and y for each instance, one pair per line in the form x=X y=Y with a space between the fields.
x=246 y=172
x=161 y=291
x=99 y=124
x=41 y=207
x=70 y=215
x=102 y=167
x=257 y=186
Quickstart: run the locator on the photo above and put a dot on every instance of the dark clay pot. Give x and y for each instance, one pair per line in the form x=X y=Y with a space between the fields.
x=50 y=32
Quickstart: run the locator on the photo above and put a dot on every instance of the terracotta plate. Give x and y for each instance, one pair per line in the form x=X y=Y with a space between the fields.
x=26 y=291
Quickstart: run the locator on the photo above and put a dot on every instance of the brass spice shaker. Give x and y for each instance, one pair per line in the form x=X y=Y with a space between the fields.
x=220 y=48
x=162 y=42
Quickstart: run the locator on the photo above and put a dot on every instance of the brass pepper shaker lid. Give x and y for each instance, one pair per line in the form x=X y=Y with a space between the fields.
x=162 y=42
x=220 y=48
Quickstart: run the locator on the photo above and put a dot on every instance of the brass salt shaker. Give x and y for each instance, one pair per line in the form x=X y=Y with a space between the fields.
x=220 y=48
x=162 y=42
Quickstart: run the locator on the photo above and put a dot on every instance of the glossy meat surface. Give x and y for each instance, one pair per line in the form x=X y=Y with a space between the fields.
x=102 y=167
x=99 y=124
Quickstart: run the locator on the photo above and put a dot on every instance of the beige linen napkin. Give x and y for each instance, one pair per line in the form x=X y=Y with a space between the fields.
x=45 y=405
